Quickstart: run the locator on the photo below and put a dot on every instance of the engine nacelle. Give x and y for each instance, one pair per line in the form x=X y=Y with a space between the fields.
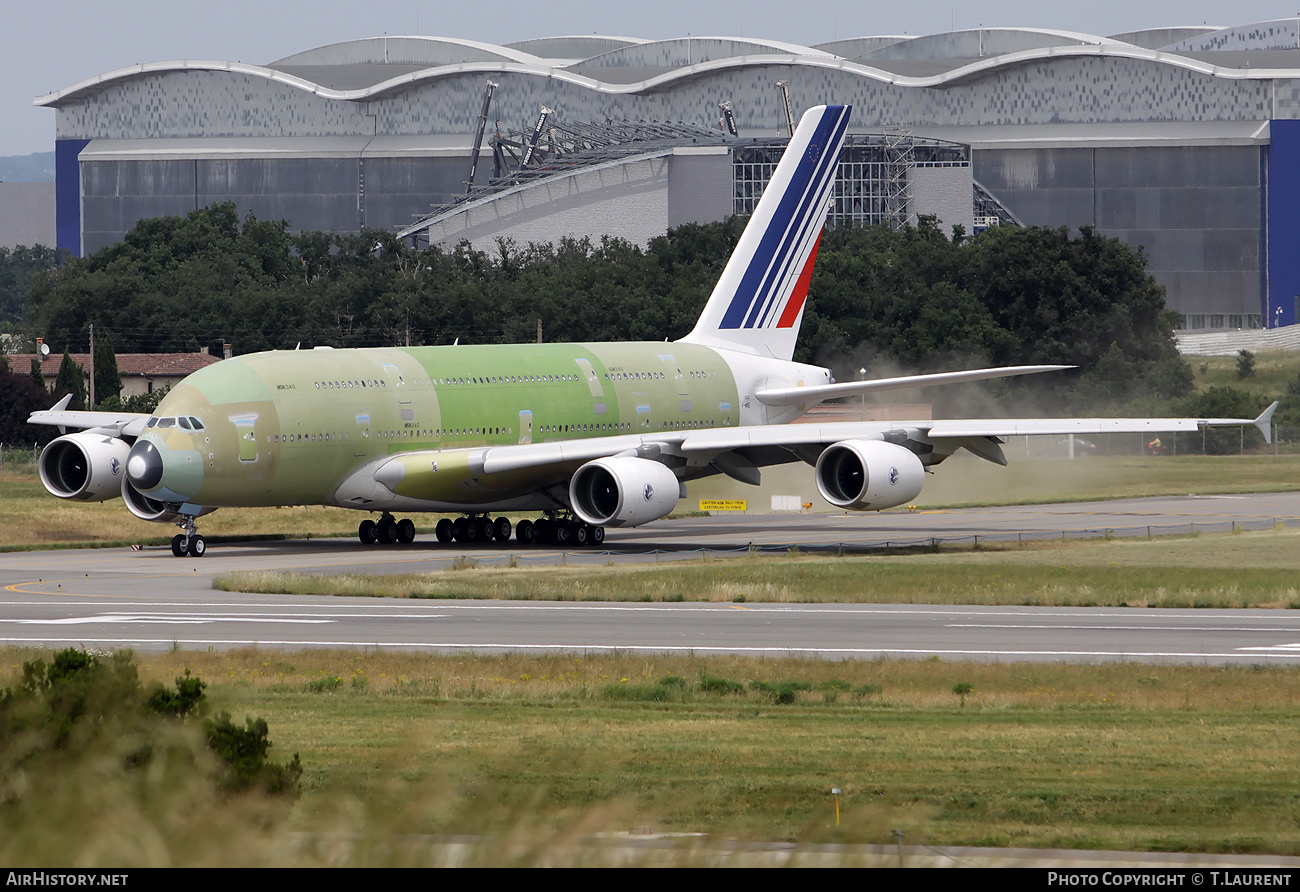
x=149 y=509
x=867 y=475
x=623 y=491
x=84 y=466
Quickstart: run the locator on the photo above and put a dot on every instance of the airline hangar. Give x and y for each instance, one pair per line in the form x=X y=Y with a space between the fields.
x=1185 y=141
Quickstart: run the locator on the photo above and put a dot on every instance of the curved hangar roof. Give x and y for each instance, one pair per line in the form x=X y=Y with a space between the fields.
x=989 y=76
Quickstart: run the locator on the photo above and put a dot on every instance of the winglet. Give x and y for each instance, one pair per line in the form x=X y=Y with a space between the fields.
x=61 y=405
x=1265 y=422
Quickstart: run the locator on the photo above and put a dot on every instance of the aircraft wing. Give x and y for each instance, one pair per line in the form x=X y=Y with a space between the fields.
x=961 y=432
x=116 y=424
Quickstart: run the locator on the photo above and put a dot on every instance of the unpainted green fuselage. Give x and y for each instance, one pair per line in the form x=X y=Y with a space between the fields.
x=285 y=428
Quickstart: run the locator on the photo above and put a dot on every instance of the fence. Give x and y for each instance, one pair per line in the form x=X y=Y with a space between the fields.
x=18 y=458
x=1207 y=441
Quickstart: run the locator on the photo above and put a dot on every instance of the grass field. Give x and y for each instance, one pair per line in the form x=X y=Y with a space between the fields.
x=1256 y=569
x=1113 y=756
x=539 y=750
x=1274 y=370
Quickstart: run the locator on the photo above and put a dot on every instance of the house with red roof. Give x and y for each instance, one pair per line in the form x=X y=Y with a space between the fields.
x=141 y=372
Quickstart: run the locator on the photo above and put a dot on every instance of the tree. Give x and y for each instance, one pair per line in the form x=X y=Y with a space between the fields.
x=19 y=268
x=71 y=379
x=108 y=382
x=19 y=398
x=1245 y=364
x=916 y=298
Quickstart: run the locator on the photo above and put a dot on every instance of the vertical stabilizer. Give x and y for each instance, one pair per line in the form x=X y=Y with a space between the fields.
x=757 y=305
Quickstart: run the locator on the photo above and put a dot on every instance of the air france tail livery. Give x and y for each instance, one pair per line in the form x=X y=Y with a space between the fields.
x=589 y=435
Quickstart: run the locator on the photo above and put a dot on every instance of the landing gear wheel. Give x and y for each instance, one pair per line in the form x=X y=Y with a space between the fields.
x=459 y=529
x=406 y=531
x=501 y=529
x=387 y=531
x=581 y=534
x=597 y=535
x=444 y=531
x=366 y=532
x=178 y=545
x=196 y=546
x=525 y=533
x=561 y=533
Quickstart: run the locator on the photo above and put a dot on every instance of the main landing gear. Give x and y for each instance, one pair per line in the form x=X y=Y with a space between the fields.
x=386 y=531
x=480 y=529
x=563 y=531
x=189 y=542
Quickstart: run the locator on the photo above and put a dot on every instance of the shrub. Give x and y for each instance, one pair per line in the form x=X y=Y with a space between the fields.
x=781 y=691
x=328 y=683
x=723 y=686
x=84 y=706
x=647 y=693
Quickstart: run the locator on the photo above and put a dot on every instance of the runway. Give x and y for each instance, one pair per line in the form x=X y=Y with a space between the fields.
x=149 y=600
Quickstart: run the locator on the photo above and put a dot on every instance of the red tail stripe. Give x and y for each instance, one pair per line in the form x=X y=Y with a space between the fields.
x=795 y=304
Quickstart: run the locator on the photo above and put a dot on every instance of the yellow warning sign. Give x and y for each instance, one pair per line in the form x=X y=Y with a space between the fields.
x=722 y=504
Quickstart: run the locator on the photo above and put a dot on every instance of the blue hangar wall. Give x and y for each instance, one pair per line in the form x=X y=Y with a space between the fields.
x=1281 y=220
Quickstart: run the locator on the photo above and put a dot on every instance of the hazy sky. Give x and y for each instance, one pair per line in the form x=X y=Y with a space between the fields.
x=48 y=46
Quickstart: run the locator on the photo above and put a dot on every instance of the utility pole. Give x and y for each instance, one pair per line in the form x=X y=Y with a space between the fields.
x=92 y=366
x=539 y=331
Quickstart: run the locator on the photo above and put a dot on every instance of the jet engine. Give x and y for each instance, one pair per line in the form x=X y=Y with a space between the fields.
x=149 y=509
x=867 y=475
x=623 y=491
x=84 y=466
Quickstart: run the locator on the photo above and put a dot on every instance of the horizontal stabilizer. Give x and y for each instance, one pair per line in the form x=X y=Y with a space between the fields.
x=799 y=396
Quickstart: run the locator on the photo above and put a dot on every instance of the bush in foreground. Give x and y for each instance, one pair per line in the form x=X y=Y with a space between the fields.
x=89 y=759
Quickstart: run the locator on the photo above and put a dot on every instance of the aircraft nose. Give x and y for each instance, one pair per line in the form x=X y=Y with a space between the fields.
x=144 y=466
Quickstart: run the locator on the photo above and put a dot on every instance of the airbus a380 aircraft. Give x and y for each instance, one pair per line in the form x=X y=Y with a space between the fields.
x=591 y=435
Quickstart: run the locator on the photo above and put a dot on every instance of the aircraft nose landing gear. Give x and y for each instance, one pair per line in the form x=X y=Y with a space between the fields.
x=189 y=542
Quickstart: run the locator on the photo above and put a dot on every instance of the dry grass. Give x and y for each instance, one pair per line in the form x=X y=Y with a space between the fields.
x=1225 y=571
x=538 y=751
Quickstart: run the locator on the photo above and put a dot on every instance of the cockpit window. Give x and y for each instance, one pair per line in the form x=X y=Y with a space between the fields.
x=166 y=422
x=184 y=422
x=151 y=422
x=198 y=425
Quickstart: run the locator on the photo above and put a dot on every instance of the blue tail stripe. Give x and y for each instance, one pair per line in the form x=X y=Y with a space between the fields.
x=792 y=219
x=800 y=236
x=777 y=248
x=746 y=291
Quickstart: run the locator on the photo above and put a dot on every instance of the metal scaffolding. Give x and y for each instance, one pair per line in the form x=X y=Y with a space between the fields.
x=519 y=157
x=873 y=185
